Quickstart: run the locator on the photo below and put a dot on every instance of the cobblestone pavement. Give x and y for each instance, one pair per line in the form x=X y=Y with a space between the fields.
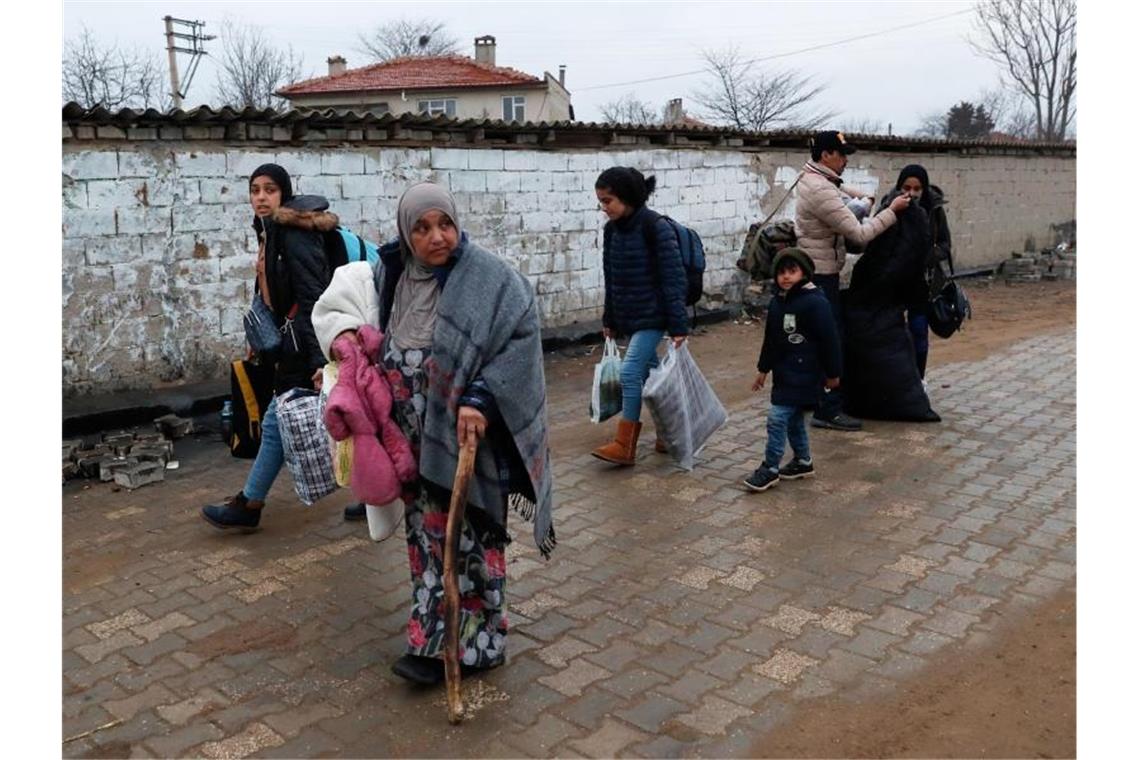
x=679 y=616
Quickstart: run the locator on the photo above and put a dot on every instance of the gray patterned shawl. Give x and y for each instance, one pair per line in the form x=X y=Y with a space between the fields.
x=488 y=327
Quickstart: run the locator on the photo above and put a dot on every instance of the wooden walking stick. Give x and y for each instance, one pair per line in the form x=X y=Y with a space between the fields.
x=455 y=511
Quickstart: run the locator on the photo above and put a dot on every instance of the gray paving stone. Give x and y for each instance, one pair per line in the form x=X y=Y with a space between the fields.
x=870 y=643
x=651 y=712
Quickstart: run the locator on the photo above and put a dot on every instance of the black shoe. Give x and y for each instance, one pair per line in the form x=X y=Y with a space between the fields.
x=235 y=512
x=427 y=671
x=355 y=513
x=796 y=469
x=762 y=479
x=840 y=421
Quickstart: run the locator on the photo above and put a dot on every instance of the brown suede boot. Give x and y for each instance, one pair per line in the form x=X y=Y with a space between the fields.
x=623 y=449
x=660 y=447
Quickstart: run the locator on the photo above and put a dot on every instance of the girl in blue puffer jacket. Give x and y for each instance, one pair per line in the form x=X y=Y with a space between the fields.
x=645 y=292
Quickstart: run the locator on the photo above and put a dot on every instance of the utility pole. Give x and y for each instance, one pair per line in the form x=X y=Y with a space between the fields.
x=196 y=50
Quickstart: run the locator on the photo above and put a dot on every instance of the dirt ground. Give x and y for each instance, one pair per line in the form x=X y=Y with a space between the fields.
x=1014 y=697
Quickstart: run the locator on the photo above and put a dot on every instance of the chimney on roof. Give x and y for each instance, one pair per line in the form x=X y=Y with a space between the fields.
x=562 y=74
x=485 y=49
x=337 y=66
x=674 y=112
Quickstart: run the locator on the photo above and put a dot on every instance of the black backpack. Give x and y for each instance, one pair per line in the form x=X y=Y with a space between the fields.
x=692 y=254
x=251 y=389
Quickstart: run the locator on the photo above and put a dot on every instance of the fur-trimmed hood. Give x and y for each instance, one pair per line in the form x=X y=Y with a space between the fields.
x=306 y=212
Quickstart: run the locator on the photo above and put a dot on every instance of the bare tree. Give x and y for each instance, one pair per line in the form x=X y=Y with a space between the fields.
x=744 y=98
x=110 y=76
x=253 y=69
x=862 y=126
x=629 y=110
x=402 y=38
x=1035 y=43
x=1009 y=113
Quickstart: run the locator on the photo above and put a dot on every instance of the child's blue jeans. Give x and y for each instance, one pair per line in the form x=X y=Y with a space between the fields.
x=786 y=422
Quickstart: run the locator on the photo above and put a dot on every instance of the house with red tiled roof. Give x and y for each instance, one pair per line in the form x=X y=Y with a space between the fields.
x=452 y=85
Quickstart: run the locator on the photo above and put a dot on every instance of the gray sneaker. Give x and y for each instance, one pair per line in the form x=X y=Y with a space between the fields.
x=796 y=469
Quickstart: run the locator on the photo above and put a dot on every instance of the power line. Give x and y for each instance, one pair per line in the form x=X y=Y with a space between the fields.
x=782 y=55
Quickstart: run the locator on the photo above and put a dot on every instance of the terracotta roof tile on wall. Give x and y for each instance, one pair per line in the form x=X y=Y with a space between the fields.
x=418 y=73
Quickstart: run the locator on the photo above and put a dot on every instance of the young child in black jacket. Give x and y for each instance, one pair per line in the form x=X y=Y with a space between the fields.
x=801 y=346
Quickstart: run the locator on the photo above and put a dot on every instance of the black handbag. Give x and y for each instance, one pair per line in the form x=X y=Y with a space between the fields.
x=948 y=310
x=261 y=332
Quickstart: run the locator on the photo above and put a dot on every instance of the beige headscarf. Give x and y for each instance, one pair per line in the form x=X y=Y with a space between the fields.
x=416 y=302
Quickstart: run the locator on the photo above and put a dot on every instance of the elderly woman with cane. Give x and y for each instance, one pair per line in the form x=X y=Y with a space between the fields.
x=463 y=352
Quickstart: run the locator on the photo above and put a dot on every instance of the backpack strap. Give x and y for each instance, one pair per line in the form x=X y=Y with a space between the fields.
x=248 y=397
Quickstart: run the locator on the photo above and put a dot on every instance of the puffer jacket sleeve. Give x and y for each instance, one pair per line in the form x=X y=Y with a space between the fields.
x=310 y=275
x=768 y=351
x=839 y=218
x=672 y=278
x=826 y=336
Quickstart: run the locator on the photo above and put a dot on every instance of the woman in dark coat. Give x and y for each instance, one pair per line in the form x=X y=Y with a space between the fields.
x=914 y=181
x=292 y=272
x=881 y=375
x=645 y=287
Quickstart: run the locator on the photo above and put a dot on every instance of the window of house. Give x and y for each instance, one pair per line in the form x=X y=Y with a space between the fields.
x=444 y=106
x=379 y=108
x=514 y=108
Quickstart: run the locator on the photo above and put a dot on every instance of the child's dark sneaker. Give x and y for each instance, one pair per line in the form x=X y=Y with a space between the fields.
x=762 y=479
x=796 y=469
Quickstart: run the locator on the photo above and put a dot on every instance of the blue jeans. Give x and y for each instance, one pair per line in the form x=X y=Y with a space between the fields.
x=270 y=457
x=785 y=422
x=640 y=357
x=919 y=325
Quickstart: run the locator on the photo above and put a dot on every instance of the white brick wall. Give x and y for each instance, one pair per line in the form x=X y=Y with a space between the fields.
x=158 y=252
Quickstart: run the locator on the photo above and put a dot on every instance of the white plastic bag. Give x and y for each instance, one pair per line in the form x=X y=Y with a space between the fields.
x=605 y=397
x=384 y=519
x=685 y=409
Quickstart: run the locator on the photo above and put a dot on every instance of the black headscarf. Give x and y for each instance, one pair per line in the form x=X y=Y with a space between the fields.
x=918 y=172
x=630 y=186
x=280 y=177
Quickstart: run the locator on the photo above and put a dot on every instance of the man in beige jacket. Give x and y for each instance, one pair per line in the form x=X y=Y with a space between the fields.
x=823 y=223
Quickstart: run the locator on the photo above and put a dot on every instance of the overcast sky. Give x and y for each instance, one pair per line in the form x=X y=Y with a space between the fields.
x=893 y=77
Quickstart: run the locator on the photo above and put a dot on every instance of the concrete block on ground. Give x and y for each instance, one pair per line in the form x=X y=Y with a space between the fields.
x=173 y=426
x=108 y=466
x=140 y=474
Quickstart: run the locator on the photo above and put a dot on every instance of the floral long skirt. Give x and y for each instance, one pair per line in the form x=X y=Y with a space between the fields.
x=482 y=552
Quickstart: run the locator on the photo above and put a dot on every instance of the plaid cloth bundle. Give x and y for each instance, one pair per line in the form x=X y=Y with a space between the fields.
x=306 y=444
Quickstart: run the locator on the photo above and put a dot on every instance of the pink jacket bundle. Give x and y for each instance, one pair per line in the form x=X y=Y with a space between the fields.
x=360 y=406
